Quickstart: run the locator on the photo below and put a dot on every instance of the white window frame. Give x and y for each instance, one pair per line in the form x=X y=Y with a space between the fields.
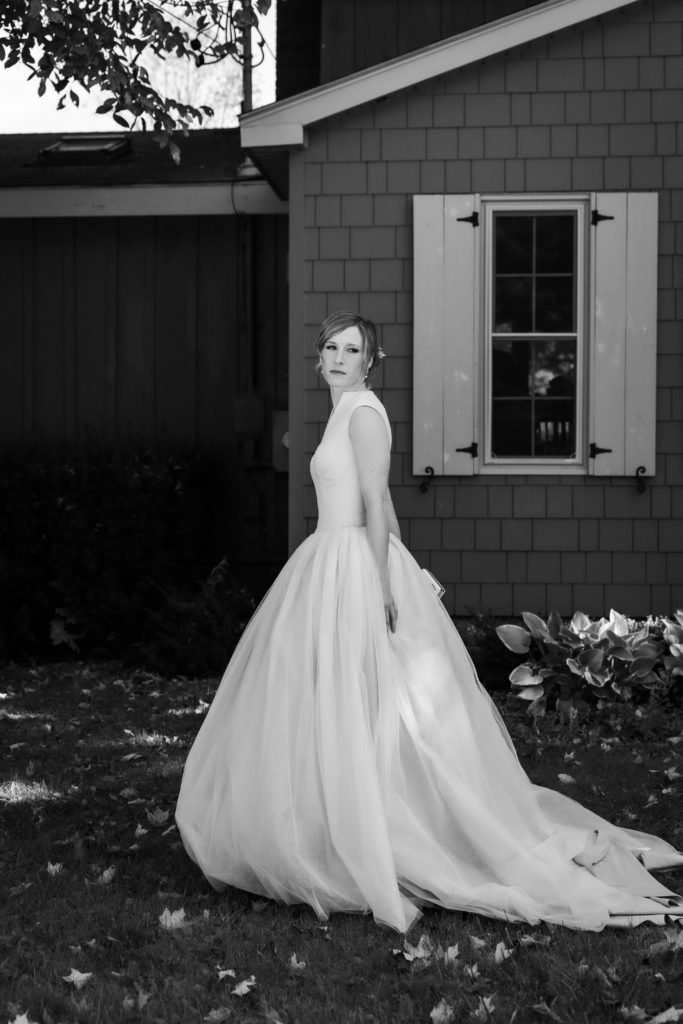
x=579 y=205
x=617 y=279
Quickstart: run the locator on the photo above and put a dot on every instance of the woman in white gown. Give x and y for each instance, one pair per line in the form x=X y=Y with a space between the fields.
x=351 y=759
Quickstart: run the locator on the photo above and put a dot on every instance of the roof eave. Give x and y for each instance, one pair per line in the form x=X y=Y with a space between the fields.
x=284 y=123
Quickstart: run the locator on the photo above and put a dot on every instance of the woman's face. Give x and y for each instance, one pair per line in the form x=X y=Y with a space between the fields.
x=343 y=361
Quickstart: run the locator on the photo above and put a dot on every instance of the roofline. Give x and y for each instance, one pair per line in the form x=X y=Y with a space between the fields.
x=153 y=200
x=284 y=123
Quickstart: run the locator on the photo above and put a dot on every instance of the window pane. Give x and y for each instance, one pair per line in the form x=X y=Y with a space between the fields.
x=554 y=304
x=554 y=433
x=514 y=244
x=513 y=304
x=511 y=431
x=512 y=372
x=555 y=244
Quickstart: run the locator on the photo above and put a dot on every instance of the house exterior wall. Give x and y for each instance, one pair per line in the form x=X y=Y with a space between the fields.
x=121 y=333
x=593 y=108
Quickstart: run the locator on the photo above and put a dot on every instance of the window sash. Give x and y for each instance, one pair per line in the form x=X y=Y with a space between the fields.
x=533 y=207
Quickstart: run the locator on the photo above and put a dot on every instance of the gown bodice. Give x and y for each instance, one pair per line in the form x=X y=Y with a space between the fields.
x=333 y=466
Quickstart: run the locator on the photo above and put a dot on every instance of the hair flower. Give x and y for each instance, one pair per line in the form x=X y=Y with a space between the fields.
x=381 y=354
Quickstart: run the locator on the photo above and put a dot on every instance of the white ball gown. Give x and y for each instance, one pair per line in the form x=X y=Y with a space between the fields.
x=357 y=770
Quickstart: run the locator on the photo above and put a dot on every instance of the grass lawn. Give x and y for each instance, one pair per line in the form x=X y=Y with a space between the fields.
x=92 y=867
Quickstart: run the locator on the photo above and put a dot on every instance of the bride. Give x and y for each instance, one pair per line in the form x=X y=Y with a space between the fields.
x=351 y=760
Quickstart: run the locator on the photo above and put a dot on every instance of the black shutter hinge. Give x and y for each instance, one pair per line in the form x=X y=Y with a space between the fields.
x=472 y=449
x=595 y=450
x=597 y=217
x=473 y=219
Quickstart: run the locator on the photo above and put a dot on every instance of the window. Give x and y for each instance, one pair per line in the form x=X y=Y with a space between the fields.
x=535 y=341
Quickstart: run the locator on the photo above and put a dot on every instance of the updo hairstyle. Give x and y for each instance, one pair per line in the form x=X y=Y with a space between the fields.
x=338 y=322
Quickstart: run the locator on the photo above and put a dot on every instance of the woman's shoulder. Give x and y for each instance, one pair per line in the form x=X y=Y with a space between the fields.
x=370 y=399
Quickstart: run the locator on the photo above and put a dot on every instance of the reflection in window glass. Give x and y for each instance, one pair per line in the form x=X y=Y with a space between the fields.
x=534 y=343
x=533 y=398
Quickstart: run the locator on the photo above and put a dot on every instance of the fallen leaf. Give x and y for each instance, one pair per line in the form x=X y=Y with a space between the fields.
x=221 y=1013
x=423 y=951
x=140 y=831
x=106 y=877
x=296 y=965
x=442 y=1013
x=566 y=780
x=502 y=952
x=227 y=973
x=451 y=955
x=76 y=978
x=672 y=773
x=17 y=889
x=476 y=942
x=157 y=816
x=173 y=920
x=636 y=1013
x=533 y=940
x=471 y=970
x=54 y=869
x=243 y=988
x=23 y=1019
x=674 y=1013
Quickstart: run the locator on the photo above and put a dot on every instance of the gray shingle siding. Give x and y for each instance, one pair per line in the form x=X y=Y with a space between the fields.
x=597 y=107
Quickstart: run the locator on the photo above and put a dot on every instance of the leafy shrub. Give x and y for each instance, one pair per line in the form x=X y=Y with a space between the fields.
x=493 y=666
x=595 y=661
x=90 y=549
x=194 y=634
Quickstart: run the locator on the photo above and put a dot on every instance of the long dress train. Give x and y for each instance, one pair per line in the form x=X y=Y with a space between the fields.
x=357 y=770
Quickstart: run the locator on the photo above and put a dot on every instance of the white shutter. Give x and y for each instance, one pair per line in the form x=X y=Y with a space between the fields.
x=428 y=319
x=444 y=333
x=461 y=298
x=624 y=333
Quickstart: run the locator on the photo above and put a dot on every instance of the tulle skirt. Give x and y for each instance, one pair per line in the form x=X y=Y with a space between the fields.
x=357 y=770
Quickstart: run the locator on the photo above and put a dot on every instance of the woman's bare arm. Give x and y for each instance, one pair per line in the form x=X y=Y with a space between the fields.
x=371 y=450
x=392 y=519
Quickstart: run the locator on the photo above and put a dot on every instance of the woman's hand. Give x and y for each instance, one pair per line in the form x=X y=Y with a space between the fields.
x=390 y=612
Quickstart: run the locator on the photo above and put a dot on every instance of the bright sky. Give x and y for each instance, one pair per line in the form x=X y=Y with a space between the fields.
x=22 y=110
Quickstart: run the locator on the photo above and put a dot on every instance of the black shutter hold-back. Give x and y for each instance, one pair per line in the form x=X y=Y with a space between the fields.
x=424 y=486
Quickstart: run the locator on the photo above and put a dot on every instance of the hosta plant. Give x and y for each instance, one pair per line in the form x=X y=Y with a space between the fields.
x=594 y=660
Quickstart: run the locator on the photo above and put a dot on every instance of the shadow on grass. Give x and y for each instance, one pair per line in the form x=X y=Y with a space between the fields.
x=91 y=860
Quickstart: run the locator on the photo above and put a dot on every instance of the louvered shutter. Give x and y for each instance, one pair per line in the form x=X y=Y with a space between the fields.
x=623 y=333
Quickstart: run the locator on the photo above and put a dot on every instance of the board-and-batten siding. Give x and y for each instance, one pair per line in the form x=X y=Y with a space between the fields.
x=110 y=327
x=591 y=109
x=129 y=332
